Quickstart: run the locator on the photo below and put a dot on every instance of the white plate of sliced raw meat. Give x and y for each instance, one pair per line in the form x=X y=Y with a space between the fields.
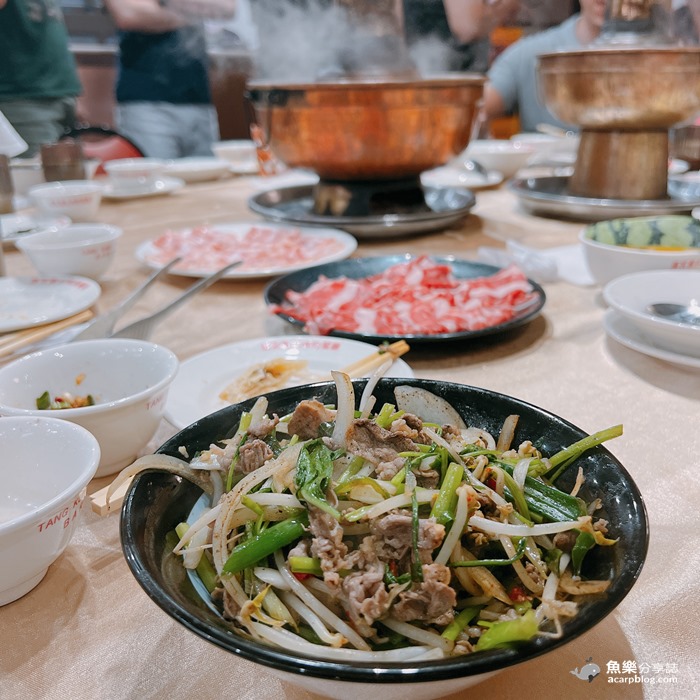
x=265 y=249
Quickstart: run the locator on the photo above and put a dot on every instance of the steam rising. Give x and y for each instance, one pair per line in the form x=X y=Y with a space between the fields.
x=305 y=44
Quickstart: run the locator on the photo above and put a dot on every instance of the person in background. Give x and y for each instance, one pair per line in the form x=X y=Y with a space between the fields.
x=686 y=21
x=512 y=79
x=38 y=78
x=461 y=26
x=164 y=101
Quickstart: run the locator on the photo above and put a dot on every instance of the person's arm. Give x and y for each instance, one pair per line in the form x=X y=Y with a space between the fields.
x=165 y=15
x=2 y=3
x=494 y=105
x=693 y=6
x=143 y=16
x=474 y=19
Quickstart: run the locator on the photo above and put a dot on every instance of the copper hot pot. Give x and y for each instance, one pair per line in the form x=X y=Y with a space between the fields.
x=368 y=129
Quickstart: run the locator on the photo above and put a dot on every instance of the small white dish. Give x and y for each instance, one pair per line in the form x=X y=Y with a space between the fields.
x=451 y=176
x=241 y=154
x=632 y=294
x=165 y=185
x=78 y=249
x=26 y=302
x=135 y=174
x=46 y=467
x=677 y=166
x=196 y=169
x=685 y=185
x=626 y=333
x=196 y=390
x=77 y=199
x=500 y=155
x=128 y=380
x=14 y=227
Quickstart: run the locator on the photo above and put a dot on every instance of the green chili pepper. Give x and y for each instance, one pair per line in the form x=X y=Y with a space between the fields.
x=259 y=546
x=584 y=543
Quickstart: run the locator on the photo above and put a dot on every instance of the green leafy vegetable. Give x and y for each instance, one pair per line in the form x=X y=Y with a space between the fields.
x=314 y=471
x=503 y=634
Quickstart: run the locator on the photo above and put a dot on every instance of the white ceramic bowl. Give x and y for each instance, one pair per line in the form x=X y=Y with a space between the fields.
x=77 y=249
x=684 y=185
x=25 y=173
x=240 y=153
x=632 y=294
x=622 y=246
x=500 y=155
x=549 y=149
x=196 y=169
x=46 y=465
x=128 y=379
x=77 y=199
x=134 y=174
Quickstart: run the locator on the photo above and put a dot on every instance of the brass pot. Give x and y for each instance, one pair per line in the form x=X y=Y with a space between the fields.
x=624 y=99
x=368 y=129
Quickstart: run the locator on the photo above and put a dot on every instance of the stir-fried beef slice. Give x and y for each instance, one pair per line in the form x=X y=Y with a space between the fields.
x=427 y=478
x=431 y=601
x=376 y=444
x=264 y=427
x=394 y=536
x=221 y=597
x=365 y=596
x=411 y=426
x=252 y=455
x=300 y=549
x=307 y=419
x=327 y=544
x=388 y=470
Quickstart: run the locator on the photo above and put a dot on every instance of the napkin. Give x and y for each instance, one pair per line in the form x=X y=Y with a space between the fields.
x=11 y=143
x=542 y=265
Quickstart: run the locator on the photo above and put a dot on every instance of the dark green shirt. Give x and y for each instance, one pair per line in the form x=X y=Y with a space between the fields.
x=35 y=61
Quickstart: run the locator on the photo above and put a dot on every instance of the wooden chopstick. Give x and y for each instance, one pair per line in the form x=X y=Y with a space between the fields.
x=98 y=500
x=369 y=363
x=12 y=342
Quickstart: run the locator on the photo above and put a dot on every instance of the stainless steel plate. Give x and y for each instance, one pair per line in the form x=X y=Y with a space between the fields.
x=548 y=196
x=294 y=205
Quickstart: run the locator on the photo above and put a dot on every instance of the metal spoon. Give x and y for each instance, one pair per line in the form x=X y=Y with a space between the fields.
x=475 y=167
x=677 y=312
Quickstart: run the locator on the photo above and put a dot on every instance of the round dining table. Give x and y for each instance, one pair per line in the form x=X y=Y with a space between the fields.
x=88 y=631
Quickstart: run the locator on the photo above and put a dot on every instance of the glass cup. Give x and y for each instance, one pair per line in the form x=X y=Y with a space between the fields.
x=7 y=189
x=63 y=160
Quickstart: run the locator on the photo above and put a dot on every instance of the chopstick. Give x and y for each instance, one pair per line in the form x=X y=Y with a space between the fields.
x=367 y=364
x=11 y=342
x=98 y=500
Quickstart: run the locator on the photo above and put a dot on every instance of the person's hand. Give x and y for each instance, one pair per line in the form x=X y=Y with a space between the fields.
x=203 y=9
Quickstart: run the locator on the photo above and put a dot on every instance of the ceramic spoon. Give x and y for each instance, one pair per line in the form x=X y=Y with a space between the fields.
x=677 y=312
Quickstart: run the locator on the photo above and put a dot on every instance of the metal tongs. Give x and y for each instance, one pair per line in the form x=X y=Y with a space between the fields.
x=103 y=325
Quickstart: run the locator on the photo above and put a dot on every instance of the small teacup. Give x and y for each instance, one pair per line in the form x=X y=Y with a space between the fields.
x=134 y=174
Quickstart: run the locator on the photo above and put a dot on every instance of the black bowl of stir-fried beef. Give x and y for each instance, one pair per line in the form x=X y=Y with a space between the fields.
x=426 y=634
